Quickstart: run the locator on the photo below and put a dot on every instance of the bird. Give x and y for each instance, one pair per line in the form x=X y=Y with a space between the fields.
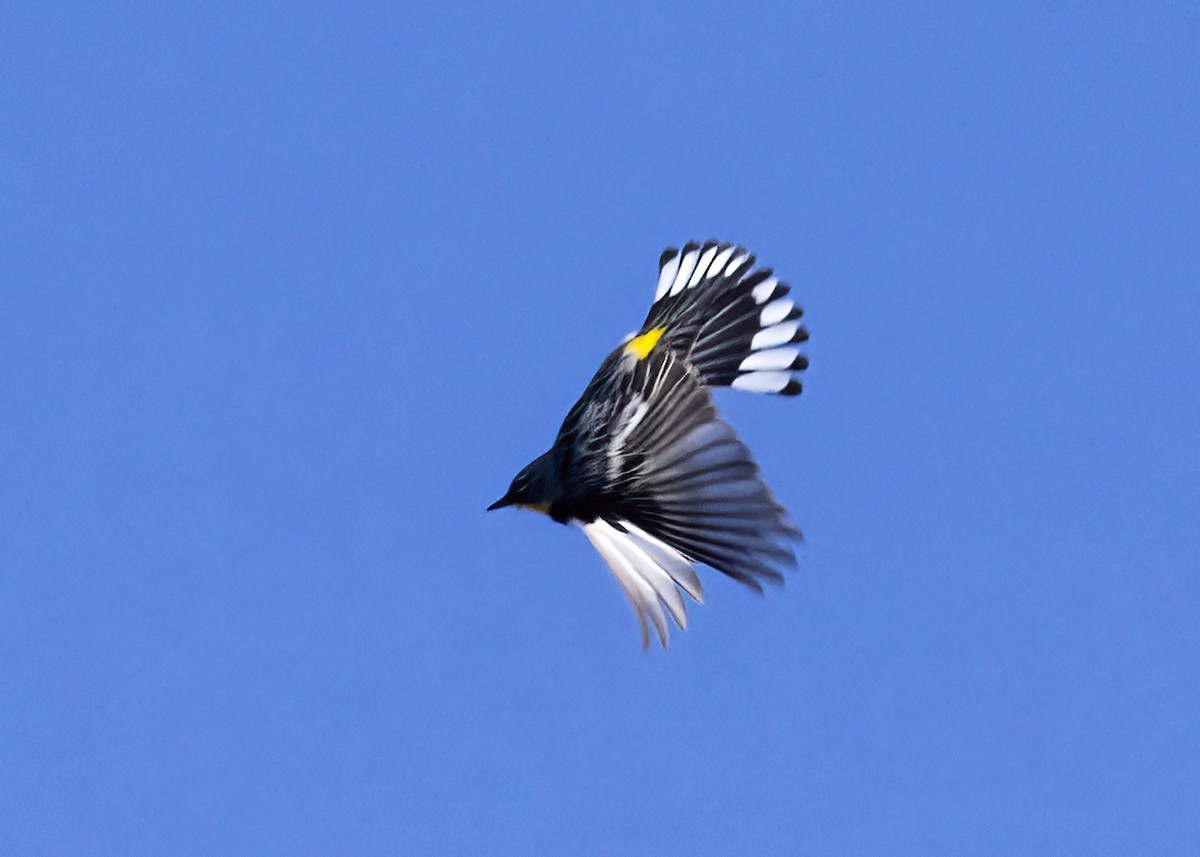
x=645 y=465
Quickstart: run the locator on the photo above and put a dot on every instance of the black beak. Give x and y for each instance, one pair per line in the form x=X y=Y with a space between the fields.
x=506 y=500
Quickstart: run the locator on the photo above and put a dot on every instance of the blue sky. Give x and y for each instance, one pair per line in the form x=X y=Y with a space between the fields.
x=288 y=294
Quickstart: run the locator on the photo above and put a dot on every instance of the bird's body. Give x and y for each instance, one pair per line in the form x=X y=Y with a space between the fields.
x=643 y=462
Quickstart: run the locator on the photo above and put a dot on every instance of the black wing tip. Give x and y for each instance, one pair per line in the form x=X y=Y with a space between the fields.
x=792 y=388
x=775 y=578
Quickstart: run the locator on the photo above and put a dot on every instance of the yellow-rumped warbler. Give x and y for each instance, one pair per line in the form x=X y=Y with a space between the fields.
x=644 y=464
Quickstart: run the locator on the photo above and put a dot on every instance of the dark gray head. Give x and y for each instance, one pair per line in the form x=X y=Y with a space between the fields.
x=532 y=488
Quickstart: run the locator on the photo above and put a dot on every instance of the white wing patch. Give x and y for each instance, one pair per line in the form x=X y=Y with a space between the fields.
x=763 y=291
x=666 y=276
x=779 y=334
x=775 y=312
x=702 y=267
x=686 y=267
x=762 y=382
x=772 y=358
x=633 y=414
x=718 y=264
x=652 y=574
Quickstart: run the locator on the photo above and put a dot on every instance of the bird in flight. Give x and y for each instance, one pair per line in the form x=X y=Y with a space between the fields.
x=643 y=462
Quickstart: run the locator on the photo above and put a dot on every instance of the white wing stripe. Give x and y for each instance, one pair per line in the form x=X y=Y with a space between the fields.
x=702 y=267
x=667 y=276
x=685 y=271
x=775 y=312
x=772 y=358
x=763 y=291
x=779 y=334
x=762 y=382
x=718 y=264
x=633 y=414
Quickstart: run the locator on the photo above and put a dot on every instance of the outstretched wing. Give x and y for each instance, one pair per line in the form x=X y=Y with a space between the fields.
x=681 y=488
x=734 y=323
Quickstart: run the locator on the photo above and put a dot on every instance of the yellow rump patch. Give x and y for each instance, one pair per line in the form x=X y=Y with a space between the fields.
x=642 y=345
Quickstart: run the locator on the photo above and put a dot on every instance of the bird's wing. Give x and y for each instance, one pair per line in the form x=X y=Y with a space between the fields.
x=685 y=477
x=680 y=488
x=733 y=322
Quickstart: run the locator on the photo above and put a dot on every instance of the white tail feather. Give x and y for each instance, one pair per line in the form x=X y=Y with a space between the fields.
x=651 y=573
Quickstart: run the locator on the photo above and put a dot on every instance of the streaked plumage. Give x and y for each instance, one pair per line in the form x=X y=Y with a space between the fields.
x=644 y=464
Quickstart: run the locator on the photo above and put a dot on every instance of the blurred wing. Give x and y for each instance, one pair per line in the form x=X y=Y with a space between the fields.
x=683 y=478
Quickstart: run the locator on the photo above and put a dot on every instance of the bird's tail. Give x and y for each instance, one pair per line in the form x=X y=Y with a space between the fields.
x=734 y=323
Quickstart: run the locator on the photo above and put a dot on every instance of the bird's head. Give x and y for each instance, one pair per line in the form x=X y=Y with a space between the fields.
x=531 y=488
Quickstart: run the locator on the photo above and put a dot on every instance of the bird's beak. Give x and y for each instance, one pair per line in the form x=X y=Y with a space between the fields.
x=506 y=500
